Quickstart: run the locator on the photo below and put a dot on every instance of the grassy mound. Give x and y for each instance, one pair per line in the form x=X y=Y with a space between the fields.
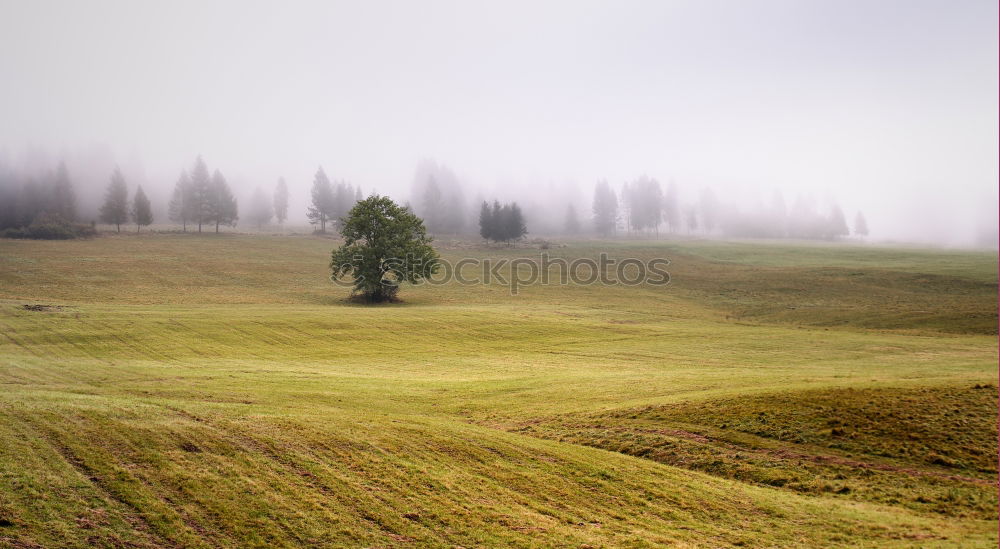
x=928 y=448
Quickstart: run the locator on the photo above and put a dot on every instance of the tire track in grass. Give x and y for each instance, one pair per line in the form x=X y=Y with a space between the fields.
x=8 y=330
x=177 y=339
x=140 y=352
x=299 y=472
x=133 y=514
x=62 y=342
x=51 y=377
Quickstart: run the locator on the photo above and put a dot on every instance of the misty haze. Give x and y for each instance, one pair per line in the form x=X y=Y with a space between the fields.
x=499 y=274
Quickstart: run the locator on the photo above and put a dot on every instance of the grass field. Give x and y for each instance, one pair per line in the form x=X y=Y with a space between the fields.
x=218 y=391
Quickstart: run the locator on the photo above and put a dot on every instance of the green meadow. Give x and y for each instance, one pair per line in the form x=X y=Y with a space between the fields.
x=176 y=390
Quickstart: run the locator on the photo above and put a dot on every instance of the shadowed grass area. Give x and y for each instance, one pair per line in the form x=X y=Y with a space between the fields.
x=927 y=448
x=177 y=390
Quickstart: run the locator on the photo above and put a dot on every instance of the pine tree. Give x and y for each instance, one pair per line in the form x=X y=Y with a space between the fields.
x=860 y=225
x=514 y=228
x=222 y=207
x=114 y=211
x=179 y=209
x=200 y=197
x=836 y=224
x=486 y=221
x=281 y=201
x=322 y=200
x=142 y=214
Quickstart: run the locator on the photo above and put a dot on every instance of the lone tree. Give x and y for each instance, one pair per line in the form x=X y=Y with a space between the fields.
x=114 y=211
x=141 y=212
x=385 y=245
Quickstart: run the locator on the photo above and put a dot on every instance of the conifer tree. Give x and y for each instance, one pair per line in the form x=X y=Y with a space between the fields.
x=322 y=200
x=179 y=208
x=142 y=214
x=836 y=224
x=114 y=211
x=514 y=227
x=200 y=196
x=222 y=206
x=486 y=221
x=860 y=225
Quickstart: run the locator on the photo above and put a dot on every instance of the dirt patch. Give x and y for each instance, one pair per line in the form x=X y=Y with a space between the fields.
x=41 y=308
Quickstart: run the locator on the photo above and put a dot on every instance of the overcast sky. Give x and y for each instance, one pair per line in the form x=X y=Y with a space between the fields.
x=890 y=106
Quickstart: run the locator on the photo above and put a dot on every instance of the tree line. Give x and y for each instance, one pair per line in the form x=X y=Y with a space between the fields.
x=641 y=207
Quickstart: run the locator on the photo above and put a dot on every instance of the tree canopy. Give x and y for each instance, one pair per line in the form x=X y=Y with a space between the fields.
x=385 y=245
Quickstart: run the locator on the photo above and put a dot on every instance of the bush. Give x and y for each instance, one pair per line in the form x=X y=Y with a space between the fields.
x=50 y=228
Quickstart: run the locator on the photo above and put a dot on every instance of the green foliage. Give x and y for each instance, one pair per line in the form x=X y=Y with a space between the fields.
x=502 y=223
x=385 y=245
